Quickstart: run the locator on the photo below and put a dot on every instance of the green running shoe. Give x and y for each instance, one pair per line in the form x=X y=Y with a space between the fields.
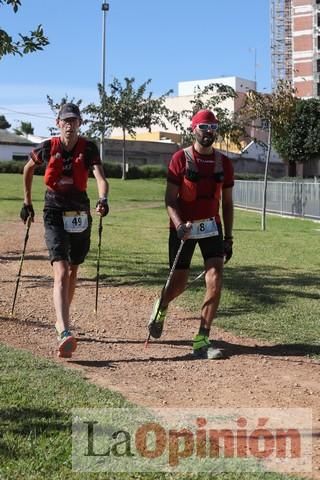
x=155 y=325
x=202 y=348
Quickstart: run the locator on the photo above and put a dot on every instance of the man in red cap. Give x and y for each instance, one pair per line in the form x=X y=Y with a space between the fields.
x=199 y=178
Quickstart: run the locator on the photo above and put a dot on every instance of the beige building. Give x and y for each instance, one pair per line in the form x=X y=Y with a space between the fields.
x=250 y=160
x=186 y=92
x=139 y=152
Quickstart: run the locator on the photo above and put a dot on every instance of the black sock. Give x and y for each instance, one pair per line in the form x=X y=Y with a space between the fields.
x=204 y=331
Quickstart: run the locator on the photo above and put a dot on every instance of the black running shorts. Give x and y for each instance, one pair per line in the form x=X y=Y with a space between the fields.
x=62 y=245
x=211 y=247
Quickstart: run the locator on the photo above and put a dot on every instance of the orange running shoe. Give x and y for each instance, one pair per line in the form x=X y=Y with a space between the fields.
x=67 y=344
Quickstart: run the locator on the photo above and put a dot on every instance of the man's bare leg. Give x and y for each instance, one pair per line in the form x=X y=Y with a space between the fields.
x=213 y=279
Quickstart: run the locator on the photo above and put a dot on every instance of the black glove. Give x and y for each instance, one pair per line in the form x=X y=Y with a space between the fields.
x=227 y=248
x=182 y=229
x=26 y=212
x=103 y=202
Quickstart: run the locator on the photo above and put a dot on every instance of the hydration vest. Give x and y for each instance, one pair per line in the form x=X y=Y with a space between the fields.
x=54 y=168
x=189 y=188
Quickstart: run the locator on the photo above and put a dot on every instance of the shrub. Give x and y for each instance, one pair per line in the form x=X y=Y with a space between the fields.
x=112 y=170
x=153 y=171
x=11 y=167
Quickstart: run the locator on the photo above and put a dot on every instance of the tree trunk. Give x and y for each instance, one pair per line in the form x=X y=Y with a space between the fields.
x=292 y=170
x=124 y=173
x=265 y=183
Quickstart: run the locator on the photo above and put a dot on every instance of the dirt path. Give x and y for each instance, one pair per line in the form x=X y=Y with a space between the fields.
x=111 y=349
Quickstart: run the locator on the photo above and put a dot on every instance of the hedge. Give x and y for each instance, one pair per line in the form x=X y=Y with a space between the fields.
x=112 y=170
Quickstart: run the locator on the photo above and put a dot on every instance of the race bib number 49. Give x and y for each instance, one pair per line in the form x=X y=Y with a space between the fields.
x=203 y=229
x=75 y=222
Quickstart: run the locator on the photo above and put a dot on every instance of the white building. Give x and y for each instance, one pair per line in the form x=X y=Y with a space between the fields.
x=14 y=147
x=259 y=152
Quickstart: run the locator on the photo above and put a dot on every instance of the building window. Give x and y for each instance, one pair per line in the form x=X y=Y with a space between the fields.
x=318 y=65
x=21 y=157
x=318 y=39
x=318 y=89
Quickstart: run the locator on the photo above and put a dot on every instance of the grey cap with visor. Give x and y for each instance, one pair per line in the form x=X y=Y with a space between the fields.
x=69 y=110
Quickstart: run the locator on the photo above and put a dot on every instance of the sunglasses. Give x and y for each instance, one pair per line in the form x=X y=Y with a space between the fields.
x=207 y=126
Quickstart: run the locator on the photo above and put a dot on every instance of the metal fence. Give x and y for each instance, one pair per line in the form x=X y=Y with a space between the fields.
x=300 y=199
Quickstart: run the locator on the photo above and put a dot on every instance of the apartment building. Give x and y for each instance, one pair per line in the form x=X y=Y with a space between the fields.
x=295 y=44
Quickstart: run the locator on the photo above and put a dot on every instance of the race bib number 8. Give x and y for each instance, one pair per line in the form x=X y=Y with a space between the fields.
x=75 y=222
x=203 y=229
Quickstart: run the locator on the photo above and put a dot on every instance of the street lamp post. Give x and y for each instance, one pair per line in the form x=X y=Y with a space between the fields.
x=105 y=9
x=254 y=50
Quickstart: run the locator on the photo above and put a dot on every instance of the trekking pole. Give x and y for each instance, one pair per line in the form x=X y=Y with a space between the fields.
x=98 y=264
x=29 y=221
x=166 y=285
x=194 y=280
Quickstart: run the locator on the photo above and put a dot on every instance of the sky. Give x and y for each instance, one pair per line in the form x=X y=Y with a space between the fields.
x=167 y=41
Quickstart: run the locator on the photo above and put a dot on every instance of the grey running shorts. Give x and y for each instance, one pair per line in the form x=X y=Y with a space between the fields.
x=62 y=245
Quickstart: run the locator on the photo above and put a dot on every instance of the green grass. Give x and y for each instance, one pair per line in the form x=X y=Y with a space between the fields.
x=35 y=404
x=271 y=291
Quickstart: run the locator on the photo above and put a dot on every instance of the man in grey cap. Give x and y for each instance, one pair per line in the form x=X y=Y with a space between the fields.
x=68 y=159
x=69 y=110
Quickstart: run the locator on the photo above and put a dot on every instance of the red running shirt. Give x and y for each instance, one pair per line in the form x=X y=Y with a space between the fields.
x=207 y=203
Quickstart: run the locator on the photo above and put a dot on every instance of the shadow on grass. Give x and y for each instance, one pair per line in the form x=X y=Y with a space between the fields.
x=229 y=349
x=156 y=268
x=267 y=286
x=29 y=423
x=257 y=287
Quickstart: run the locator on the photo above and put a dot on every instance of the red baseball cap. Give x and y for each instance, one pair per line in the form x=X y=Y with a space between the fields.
x=203 y=116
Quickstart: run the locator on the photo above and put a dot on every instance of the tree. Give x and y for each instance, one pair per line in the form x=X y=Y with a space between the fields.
x=128 y=108
x=210 y=97
x=273 y=112
x=276 y=108
x=55 y=107
x=300 y=140
x=27 y=43
x=230 y=130
x=4 y=124
x=25 y=129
